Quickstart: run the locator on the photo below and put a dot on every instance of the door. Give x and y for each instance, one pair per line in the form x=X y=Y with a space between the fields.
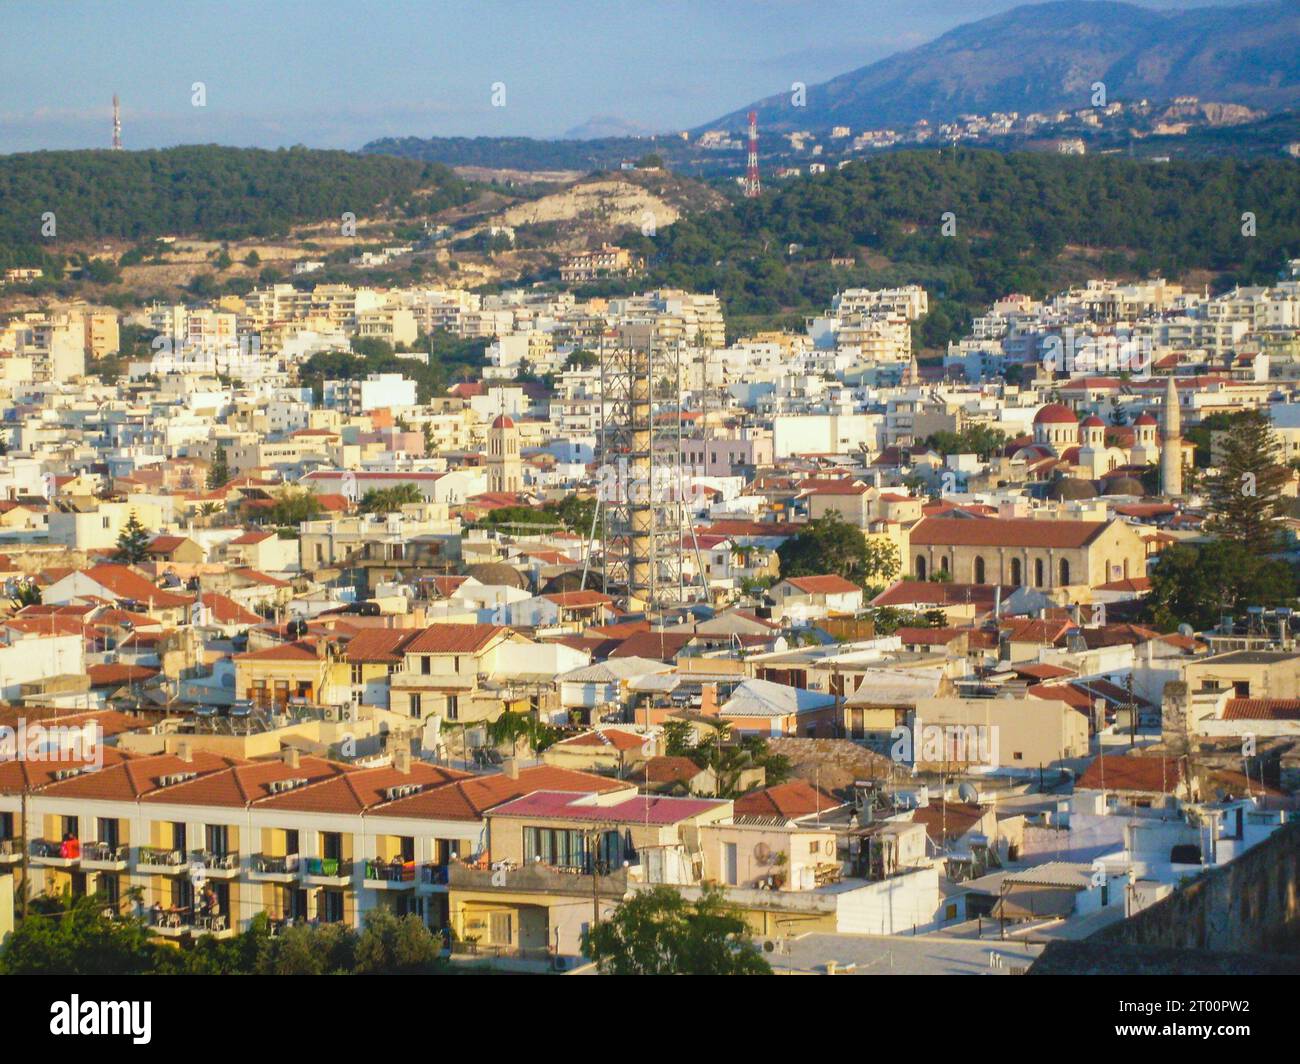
x=729 y=863
x=502 y=924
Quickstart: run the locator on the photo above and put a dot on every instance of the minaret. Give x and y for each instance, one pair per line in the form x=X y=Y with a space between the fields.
x=1171 y=444
x=117 y=124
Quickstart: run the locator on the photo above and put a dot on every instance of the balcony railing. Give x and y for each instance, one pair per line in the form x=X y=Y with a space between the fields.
x=263 y=864
x=105 y=853
x=395 y=872
x=434 y=875
x=220 y=862
x=11 y=848
x=329 y=867
x=156 y=856
x=55 y=850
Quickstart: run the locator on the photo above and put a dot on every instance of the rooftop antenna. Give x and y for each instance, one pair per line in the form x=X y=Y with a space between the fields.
x=117 y=124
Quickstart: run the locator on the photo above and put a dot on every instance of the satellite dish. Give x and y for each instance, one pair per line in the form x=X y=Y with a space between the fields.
x=1186 y=630
x=763 y=853
x=967 y=793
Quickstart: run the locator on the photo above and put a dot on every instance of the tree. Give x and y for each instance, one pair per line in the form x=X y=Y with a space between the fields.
x=658 y=932
x=883 y=563
x=396 y=945
x=252 y=259
x=1245 y=495
x=292 y=506
x=132 y=542
x=27 y=593
x=390 y=500
x=219 y=471
x=80 y=940
x=1198 y=584
x=826 y=545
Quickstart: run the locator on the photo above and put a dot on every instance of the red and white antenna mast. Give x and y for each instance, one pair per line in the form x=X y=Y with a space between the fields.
x=752 y=187
x=117 y=124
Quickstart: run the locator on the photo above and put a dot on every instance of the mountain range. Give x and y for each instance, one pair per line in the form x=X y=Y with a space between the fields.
x=1046 y=57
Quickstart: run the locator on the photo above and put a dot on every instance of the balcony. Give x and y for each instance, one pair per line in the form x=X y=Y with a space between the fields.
x=215 y=865
x=434 y=876
x=104 y=857
x=273 y=869
x=327 y=872
x=181 y=921
x=397 y=875
x=536 y=879
x=52 y=854
x=11 y=852
x=161 y=861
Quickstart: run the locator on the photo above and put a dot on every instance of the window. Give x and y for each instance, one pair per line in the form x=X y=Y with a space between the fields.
x=108 y=832
x=1017 y=575
x=331 y=845
x=453 y=707
x=331 y=906
x=815 y=846
x=217 y=839
x=356 y=675
x=70 y=827
x=1065 y=571
x=1017 y=756
x=1241 y=688
x=415 y=706
x=1038 y=572
x=979 y=570
x=920 y=567
x=426 y=664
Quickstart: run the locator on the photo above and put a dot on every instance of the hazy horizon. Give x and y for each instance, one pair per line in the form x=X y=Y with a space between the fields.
x=337 y=73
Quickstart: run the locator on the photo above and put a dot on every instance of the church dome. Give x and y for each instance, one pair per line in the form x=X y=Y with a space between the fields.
x=1071 y=488
x=1055 y=414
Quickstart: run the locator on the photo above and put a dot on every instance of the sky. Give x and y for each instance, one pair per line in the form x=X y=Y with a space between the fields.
x=338 y=73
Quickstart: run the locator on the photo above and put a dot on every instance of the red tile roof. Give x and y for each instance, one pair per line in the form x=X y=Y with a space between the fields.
x=1004 y=531
x=1152 y=775
x=795 y=799
x=455 y=638
x=1262 y=709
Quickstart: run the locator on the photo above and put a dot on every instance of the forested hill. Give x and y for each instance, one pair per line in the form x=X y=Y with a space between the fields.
x=1023 y=223
x=206 y=190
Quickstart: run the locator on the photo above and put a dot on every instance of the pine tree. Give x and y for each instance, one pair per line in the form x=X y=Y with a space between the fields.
x=219 y=472
x=132 y=542
x=1245 y=495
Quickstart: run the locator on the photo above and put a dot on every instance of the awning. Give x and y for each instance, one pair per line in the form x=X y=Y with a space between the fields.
x=1034 y=903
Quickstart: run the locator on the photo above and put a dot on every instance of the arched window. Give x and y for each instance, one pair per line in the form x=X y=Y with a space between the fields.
x=979 y=570
x=1017 y=575
x=1038 y=572
x=943 y=563
x=920 y=566
x=1065 y=571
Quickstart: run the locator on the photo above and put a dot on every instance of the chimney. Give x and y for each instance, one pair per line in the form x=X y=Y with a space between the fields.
x=402 y=759
x=511 y=767
x=289 y=755
x=185 y=751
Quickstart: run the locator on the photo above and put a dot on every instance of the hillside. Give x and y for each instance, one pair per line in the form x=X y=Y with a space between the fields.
x=1024 y=223
x=1046 y=57
x=203 y=191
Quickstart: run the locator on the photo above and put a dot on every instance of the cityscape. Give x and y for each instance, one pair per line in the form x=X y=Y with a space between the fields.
x=855 y=535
